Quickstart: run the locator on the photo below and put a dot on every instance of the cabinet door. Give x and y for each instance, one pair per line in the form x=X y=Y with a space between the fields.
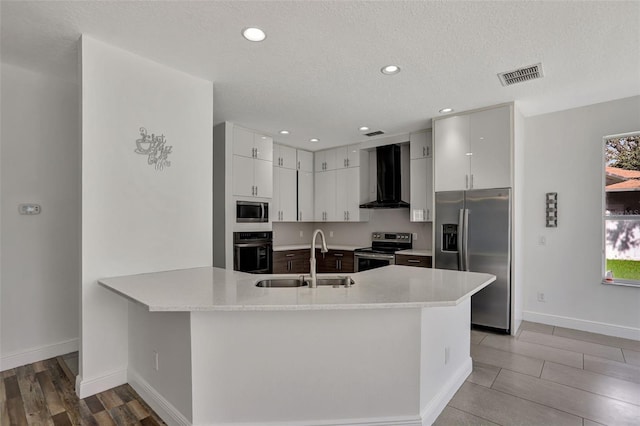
x=452 y=153
x=305 y=161
x=288 y=158
x=353 y=194
x=342 y=194
x=418 y=173
x=264 y=147
x=243 y=176
x=276 y=207
x=318 y=159
x=330 y=159
x=420 y=145
x=288 y=195
x=242 y=142
x=490 y=141
x=325 y=196
x=353 y=155
x=263 y=178
x=408 y=260
x=341 y=157
x=305 y=196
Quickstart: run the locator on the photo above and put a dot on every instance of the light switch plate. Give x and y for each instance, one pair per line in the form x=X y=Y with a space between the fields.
x=29 y=209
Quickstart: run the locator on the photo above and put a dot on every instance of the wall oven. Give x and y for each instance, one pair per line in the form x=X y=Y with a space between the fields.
x=252 y=252
x=252 y=211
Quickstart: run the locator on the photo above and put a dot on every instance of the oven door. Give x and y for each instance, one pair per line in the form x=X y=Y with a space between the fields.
x=366 y=261
x=252 y=257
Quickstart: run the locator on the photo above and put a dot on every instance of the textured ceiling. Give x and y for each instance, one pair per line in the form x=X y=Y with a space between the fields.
x=317 y=74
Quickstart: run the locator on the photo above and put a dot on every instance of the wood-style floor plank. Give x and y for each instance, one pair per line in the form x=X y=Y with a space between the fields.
x=477 y=336
x=617 y=342
x=570 y=400
x=483 y=374
x=612 y=368
x=534 y=350
x=4 y=410
x=54 y=404
x=453 y=416
x=631 y=357
x=595 y=349
x=502 y=359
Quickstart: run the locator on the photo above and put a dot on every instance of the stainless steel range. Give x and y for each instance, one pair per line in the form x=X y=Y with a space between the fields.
x=384 y=245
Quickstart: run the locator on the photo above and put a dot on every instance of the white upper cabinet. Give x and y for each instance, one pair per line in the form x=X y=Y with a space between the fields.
x=284 y=156
x=253 y=145
x=325 y=160
x=353 y=155
x=305 y=161
x=421 y=175
x=252 y=166
x=305 y=196
x=284 y=195
x=473 y=150
x=325 y=196
x=421 y=145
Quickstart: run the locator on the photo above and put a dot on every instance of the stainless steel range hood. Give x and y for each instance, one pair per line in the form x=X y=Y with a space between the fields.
x=389 y=179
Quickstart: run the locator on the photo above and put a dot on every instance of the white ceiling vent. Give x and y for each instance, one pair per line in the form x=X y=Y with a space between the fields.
x=376 y=133
x=530 y=72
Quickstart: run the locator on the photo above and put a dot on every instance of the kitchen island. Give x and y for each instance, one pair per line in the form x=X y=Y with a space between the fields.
x=208 y=347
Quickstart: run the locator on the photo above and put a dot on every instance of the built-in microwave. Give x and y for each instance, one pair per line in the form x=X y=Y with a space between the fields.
x=252 y=211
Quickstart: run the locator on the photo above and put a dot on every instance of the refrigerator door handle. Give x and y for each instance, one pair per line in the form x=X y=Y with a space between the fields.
x=461 y=234
x=465 y=243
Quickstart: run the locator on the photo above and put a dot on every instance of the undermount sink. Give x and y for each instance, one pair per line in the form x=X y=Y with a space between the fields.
x=333 y=281
x=282 y=282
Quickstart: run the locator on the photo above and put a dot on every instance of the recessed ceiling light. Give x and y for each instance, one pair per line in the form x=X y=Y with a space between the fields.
x=314 y=140
x=284 y=132
x=363 y=128
x=446 y=110
x=390 y=69
x=253 y=34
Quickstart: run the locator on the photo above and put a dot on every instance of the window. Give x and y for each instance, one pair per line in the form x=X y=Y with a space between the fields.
x=621 y=219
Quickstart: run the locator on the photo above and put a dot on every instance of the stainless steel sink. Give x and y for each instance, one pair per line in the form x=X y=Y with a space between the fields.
x=334 y=281
x=282 y=282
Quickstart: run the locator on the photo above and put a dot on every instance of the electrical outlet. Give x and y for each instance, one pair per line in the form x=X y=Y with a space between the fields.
x=447 y=352
x=301 y=233
x=541 y=297
x=415 y=236
x=156 y=361
x=542 y=240
x=331 y=234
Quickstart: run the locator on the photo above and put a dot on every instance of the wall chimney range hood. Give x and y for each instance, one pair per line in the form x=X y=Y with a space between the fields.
x=389 y=183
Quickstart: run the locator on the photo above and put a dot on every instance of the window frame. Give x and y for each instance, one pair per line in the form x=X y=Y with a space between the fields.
x=616 y=281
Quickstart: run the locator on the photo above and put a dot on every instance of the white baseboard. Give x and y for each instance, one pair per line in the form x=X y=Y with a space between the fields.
x=583 y=325
x=29 y=356
x=94 y=385
x=163 y=408
x=433 y=409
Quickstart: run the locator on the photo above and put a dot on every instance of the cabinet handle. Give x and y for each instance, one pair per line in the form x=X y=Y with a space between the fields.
x=466 y=181
x=253 y=190
x=413 y=261
x=290 y=255
x=344 y=162
x=428 y=154
x=471 y=182
x=338 y=254
x=347 y=162
x=256 y=190
x=424 y=151
x=298 y=165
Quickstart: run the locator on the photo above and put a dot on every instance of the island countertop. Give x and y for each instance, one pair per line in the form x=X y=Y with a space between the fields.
x=216 y=289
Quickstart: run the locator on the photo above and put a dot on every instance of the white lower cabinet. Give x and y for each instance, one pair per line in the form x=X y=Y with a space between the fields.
x=284 y=195
x=252 y=177
x=421 y=190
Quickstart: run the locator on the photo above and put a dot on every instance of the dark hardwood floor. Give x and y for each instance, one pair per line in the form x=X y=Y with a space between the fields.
x=42 y=394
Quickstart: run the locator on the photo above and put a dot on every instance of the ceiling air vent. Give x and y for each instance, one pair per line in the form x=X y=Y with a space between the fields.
x=530 y=72
x=376 y=133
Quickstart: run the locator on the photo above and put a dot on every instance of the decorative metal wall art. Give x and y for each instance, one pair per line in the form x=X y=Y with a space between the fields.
x=155 y=148
x=552 y=209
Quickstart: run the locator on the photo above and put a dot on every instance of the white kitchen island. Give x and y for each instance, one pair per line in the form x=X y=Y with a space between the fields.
x=208 y=347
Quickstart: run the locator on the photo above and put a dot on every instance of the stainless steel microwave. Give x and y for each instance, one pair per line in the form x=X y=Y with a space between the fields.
x=252 y=211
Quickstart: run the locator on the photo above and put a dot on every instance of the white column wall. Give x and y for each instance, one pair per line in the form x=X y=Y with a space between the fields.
x=40 y=266
x=135 y=218
x=563 y=154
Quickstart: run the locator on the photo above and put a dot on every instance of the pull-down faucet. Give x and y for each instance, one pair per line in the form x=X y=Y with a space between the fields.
x=313 y=282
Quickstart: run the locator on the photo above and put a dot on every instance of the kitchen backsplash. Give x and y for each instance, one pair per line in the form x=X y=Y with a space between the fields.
x=355 y=233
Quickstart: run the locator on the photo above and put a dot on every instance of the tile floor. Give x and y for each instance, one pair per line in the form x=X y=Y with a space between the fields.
x=548 y=376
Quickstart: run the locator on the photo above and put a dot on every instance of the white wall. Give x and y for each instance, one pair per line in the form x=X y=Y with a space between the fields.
x=135 y=218
x=40 y=254
x=563 y=154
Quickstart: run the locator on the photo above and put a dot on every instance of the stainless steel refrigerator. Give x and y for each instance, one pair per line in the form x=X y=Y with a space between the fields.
x=473 y=233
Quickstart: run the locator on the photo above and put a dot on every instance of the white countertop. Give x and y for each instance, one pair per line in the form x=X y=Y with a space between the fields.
x=215 y=289
x=308 y=247
x=416 y=252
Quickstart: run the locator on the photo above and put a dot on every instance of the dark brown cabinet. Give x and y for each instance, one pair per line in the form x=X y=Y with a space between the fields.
x=335 y=262
x=291 y=262
x=409 y=260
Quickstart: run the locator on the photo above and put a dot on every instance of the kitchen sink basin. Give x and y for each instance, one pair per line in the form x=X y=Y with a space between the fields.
x=282 y=282
x=333 y=281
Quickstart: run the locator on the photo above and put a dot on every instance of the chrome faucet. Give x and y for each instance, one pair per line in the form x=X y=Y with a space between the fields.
x=313 y=282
